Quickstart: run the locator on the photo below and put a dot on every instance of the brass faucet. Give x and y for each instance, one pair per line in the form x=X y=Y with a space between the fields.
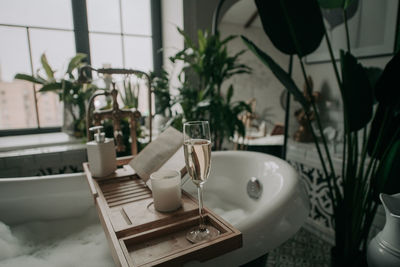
x=115 y=113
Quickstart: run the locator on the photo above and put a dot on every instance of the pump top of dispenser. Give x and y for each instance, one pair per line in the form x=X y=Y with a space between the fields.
x=99 y=136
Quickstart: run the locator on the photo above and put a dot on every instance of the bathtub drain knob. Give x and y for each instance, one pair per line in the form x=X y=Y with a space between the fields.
x=254 y=188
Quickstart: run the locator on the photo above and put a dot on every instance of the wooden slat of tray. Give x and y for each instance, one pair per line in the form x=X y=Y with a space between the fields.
x=90 y=180
x=128 y=215
x=122 y=189
x=126 y=170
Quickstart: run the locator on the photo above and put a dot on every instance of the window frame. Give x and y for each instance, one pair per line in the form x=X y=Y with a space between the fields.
x=82 y=45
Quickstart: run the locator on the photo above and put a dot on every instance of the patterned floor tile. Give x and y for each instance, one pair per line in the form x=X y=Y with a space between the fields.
x=303 y=250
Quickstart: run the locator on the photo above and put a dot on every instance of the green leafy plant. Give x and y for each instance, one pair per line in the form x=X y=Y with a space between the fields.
x=70 y=91
x=160 y=85
x=130 y=98
x=370 y=157
x=207 y=65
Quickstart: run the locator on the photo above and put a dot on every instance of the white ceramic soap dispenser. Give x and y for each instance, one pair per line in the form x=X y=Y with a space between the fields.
x=101 y=154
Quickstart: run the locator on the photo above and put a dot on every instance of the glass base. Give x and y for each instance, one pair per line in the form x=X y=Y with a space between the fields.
x=196 y=235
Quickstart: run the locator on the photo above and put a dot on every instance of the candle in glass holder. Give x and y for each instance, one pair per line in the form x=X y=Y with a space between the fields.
x=166 y=187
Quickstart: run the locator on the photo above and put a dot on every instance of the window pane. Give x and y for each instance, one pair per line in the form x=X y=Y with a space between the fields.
x=17 y=105
x=50 y=109
x=59 y=47
x=42 y=13
x=144 y=99
x=14 y=53
x=103 y=15
x=105 y=49
x=136 y=17
x=139 y=53
x=18 y=109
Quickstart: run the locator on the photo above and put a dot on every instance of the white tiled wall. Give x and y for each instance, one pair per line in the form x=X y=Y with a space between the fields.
x=261 y=84
x=306 y=155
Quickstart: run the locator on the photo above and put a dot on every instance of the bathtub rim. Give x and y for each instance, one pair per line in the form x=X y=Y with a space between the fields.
x=43 y=177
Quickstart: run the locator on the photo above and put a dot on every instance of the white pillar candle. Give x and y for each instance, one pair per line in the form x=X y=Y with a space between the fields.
x=166 y=187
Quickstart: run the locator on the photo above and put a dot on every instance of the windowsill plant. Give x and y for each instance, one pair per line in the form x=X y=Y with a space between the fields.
x=371 y=154
x=71 y=92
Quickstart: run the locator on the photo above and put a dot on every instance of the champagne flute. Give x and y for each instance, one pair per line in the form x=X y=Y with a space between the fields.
x=197 y=148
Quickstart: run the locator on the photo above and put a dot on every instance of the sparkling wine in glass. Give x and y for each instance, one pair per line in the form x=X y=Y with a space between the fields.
x=197 y=148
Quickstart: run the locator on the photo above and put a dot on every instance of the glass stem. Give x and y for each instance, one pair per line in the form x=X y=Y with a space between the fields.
x=202 y=225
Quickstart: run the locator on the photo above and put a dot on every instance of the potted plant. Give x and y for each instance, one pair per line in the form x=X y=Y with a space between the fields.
x=207 y=65
x=370 y=156
x=71 y=92
x=130 y=96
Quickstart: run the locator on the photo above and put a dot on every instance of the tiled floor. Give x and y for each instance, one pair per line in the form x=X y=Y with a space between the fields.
x=304 y=249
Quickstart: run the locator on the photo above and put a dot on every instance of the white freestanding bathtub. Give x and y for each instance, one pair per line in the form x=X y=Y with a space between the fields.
x=50 y=221
x=48 y=197
x=265 y=222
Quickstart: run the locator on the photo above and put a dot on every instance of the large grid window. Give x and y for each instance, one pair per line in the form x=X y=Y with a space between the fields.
x=120 y=36
x=41 y=26
x=120 y=33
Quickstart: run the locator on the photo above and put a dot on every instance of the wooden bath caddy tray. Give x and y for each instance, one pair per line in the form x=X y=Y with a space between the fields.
x=138 y=235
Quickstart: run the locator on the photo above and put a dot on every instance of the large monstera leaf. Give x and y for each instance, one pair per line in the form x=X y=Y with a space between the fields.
x=387 y=94
x=357 y=92
x=387 y=89
x=293 y=26
x=391 y=169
